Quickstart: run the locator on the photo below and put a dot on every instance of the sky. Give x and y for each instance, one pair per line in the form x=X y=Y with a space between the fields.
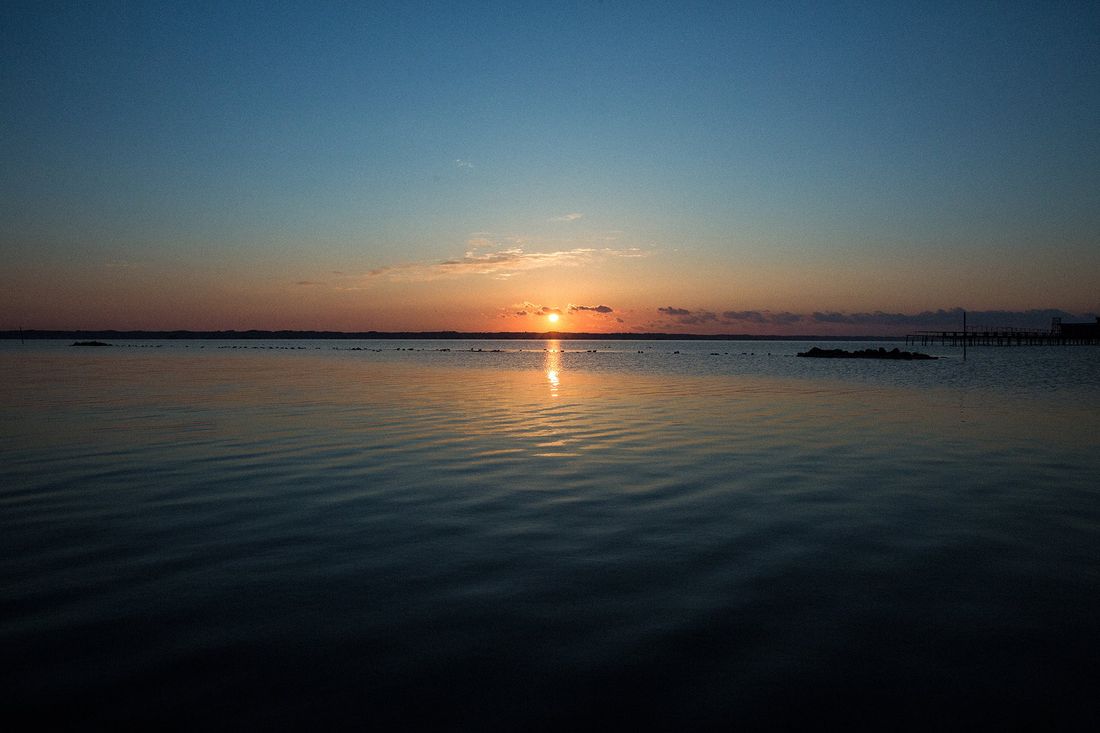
x=787 y=168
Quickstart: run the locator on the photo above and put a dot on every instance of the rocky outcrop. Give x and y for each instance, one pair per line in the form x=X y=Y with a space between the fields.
x=879 y=353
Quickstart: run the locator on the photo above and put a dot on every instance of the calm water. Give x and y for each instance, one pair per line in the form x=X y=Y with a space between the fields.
x=213 y=534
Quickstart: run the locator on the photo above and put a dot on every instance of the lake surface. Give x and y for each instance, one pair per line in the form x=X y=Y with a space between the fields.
x=548 y=535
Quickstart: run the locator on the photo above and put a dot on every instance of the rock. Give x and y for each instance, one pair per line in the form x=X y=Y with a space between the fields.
x=879 y=353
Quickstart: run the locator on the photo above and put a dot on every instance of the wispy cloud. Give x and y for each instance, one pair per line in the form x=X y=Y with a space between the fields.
x=463 y=163
x=568 y=217
x=485 y=240
x=594 y=308
x=499 y=264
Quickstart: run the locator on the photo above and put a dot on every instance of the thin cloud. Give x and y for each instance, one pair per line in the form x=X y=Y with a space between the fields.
x=500 y=264
x=482 y=241
x=872 y=321
x=573 y=216
x=463 y=163
x=746 y=316
x=1034 y=318
x=593 y=308
x=699 y=318
x=781 y=318
x=880 y=318
x=686 y=317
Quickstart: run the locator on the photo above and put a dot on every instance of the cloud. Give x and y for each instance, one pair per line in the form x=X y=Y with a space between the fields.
x=573 y=216
x=750 y=316
x=309 y=282
x=877 y=322
x=951 y=318
x=462 y=163
x=889 y=319
x=499 y=263
x=765 y=316
x=687 y=317
x=482 y=241
x=527 y=308
x=698 y=318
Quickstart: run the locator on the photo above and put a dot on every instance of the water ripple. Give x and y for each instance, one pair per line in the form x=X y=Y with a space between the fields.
x=283 y=538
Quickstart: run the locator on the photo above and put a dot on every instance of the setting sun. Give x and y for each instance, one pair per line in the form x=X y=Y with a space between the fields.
x=553 y=317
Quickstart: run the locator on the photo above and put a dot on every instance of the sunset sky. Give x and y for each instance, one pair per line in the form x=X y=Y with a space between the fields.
x=699 y=167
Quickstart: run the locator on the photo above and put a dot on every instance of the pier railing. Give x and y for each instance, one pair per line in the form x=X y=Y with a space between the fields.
x=1001 y=337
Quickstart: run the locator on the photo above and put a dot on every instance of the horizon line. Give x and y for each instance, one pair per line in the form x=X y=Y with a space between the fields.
x=229 y=334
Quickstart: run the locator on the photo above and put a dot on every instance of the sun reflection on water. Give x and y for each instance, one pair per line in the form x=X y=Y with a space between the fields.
x=553 y=365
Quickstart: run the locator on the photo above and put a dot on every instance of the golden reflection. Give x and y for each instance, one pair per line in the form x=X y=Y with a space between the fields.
x=553 y=365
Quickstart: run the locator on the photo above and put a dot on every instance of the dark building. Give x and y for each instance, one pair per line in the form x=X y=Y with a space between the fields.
x=1076 y=330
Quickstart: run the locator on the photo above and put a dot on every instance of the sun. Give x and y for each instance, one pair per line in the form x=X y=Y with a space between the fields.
x=553 y=317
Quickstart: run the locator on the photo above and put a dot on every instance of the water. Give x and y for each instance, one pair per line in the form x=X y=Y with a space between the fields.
x=223 y=534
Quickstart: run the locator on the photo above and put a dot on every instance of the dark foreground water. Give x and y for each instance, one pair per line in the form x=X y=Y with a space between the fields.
x=201 y=537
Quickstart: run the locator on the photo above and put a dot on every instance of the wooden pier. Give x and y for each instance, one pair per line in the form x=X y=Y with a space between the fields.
x=1006 y=337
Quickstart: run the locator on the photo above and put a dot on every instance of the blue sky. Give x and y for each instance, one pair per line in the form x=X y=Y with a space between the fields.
x=201 y=161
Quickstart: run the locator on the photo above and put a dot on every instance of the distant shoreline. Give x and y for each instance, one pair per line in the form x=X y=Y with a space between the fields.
x=423 y=335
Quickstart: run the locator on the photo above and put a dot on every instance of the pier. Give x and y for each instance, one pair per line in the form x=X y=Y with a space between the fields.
x=1059 y=334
